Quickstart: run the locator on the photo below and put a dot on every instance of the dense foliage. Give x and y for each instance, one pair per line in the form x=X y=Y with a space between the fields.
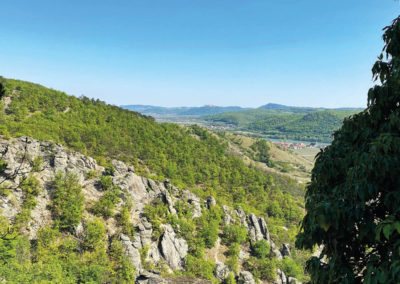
x=353 y=201
x=56 y=256
x=190 y=157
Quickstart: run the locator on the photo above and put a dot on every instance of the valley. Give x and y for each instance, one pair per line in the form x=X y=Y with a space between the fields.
x=271 y=121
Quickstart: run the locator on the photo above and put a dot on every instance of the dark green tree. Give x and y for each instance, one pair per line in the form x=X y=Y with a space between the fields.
x=2 y=90
x=353 y=200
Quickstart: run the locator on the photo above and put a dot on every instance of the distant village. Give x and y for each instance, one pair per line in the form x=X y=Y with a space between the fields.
x=296 y=146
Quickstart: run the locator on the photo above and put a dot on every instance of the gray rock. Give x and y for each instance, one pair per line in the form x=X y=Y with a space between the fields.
x=245 y=277
x=195 y=203
x=264 y=229
x=131 y=253
x=227 y=217
x=285 y=250
x=221 y=271
x=280 y=277
x=254 y=228
x=211 y=201
x=173 y=249
x=150 y=278
x=119 y=167
x=292 y=280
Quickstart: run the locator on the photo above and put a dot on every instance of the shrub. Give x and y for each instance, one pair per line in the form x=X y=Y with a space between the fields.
x=261 y=248
x=94 y=235
x=199 y=267
x=91 y=174
x=234 y=234
x=106 y=182
x=67 y=201
x=230 y=279
x=264 y=268
x=124 y=221
x=291 y=268
x=3 y=166
x=106 y=204
x=37 y=164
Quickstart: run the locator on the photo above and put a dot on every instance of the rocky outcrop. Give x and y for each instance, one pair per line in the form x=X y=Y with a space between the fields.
x=221 y=271
x=165 y=249
x=245 y=277
x=211 y=201
x=285 y=250
x=173 y=249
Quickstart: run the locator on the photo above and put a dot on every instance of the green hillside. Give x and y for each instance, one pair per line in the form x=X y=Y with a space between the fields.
x=305 y=124
x=190 y=157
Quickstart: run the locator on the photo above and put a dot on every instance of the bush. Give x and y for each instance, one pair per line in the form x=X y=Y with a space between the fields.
x=234 y=234
x=106 y=182
x=37 y=164
x=230 y=279
x=199 y=267
x=106 y=204
x=124 y=221
x=264 y=268
x=94 y=235
x=261 y=249
x=67 y=201
x=291 y=268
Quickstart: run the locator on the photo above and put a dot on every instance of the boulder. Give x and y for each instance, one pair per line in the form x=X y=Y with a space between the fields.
x=173 y=249
x=211 y=201
x=285 y=250
x=245 y=277
x=264 y=229
x=254 y=228
x=131 y=253
x=281 y=277
x=227 y=217
x=221 y=271
x=292 y=280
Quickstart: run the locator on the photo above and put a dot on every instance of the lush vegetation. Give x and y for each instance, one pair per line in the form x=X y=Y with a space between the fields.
x=306 y=124
x=191 y=157
x=353 y=200
x=56 y=256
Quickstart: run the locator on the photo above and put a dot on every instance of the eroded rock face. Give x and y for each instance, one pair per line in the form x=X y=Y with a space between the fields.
x=285 y=250
x=281 y=277
x=173 y=249
x=169 y=249
x=221 y=271
x=131 y=252
x=245 y=277
x=211 y=201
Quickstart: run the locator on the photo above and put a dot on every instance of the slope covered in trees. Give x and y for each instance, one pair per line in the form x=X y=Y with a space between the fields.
x=190 y=157
x=307 y=124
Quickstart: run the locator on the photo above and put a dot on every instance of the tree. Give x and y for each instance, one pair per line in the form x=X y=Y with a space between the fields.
x=2 y=91
x=353 y=200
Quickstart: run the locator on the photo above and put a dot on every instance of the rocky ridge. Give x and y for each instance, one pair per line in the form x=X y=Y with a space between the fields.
x=169 y=251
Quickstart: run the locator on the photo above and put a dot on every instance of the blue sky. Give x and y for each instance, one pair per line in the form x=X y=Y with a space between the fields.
x=196 y=52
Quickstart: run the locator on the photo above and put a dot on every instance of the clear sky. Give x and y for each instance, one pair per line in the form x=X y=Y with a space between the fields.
x=196 y=52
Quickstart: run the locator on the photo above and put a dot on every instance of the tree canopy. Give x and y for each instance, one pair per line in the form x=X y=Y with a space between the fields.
x=353 y=200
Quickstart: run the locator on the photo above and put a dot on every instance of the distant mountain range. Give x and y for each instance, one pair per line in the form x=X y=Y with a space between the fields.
x=159 y=111
x=182 y=111
x=271 y=120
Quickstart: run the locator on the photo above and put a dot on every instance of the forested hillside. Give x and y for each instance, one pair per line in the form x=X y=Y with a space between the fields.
x=305 y=124
x=192 y=157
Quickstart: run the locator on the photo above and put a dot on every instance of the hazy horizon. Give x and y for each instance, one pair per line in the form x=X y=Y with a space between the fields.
x=188 y=53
